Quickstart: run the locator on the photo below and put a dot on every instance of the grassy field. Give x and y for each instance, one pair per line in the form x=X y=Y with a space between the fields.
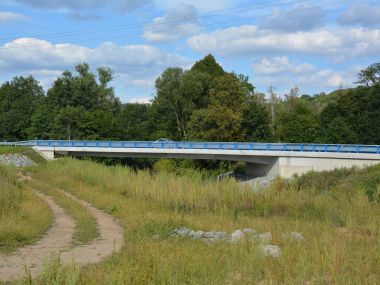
x=337 y=212
x=24 y=218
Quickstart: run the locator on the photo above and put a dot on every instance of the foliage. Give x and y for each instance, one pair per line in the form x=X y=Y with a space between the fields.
x=18 y=100
x=202 y=103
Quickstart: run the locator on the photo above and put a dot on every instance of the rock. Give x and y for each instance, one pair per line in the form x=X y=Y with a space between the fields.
x=182 y=232
x=236 y=236
x=271 y=250
x=249 y=231
x=265 y=237
x=18 y=160
x=221 y=235
x=298 y=237
x=196 y=235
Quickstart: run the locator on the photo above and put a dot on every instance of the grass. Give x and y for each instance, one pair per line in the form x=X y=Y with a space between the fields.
x=337 y=212
x=86 y=227
x=24 y=217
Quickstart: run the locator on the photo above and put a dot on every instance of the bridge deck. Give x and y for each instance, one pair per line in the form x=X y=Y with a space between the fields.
x=283 y=147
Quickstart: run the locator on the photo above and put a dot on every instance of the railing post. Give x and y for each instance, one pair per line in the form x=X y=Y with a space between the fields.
x=357 y=148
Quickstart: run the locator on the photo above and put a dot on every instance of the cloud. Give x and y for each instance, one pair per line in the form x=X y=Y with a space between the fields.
x=9 y=17
x=298 y=19
x=251 y=40
x=361 y=14
x=179 y=22
x=284 y=74
x=73 y=5
x=134 y=65
x=279 y=65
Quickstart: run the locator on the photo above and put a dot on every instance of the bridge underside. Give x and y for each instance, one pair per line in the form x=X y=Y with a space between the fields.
x=258 y=164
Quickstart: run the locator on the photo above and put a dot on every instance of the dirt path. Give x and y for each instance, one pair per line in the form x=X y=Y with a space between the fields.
x=111 y=238
x=58 y=237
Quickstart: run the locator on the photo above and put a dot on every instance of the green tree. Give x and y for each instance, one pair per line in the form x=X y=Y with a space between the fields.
x=222 y=120
x=370 y=76
x=135 y=122
x=18 y=100
x=256 y=122
x=296 y=122
x=209 y=65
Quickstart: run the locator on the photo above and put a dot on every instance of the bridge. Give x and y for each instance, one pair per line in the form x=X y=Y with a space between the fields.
x=262 y=159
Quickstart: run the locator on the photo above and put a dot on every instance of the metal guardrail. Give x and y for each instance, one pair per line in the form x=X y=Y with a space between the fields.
x=341 y=148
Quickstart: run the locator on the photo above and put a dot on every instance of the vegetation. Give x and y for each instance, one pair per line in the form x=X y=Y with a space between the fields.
x=24 y=217
x=338 y=213
x=203 y=103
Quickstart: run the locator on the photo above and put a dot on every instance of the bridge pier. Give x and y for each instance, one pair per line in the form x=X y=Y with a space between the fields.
x=268 y=167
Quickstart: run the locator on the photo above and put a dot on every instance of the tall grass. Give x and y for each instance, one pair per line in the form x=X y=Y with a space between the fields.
x=334 y=211
x=23 y=216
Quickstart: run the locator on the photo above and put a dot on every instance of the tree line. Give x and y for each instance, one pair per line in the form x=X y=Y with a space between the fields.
x=205 y=103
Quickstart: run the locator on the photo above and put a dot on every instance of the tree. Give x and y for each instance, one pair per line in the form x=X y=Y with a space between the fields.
x=370 y=76
x=135 y=122
x=18 y=100
x=256 y=120
x=209 y=65
x=168 y=104
x=222 y=119
x=296 y=122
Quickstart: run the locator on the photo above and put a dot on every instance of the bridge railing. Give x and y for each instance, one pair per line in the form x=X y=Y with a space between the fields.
x=207 y=145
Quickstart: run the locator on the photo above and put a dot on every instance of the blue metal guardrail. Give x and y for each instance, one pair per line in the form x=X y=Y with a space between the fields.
x=205 y=145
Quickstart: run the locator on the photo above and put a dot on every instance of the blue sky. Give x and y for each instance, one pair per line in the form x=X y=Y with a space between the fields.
x=315 y=45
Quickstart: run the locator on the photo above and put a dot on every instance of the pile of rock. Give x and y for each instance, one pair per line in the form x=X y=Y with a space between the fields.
x=262 y=238
x=18 y=160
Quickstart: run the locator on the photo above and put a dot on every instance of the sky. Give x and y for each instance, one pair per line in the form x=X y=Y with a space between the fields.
x=318 y=46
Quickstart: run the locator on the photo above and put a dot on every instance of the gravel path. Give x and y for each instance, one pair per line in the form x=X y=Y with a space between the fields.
x=58 y=238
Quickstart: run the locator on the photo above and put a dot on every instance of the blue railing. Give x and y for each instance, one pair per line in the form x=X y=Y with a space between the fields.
x=343 y=148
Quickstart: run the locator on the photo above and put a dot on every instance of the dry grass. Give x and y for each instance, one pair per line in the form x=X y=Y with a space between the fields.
x=24 y=217
x=339 y=218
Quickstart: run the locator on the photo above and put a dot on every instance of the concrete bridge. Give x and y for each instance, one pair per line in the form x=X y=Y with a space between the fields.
x=262 y=159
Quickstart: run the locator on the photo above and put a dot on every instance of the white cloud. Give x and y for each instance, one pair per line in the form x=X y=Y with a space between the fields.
x=284 y=74
x=9 y=17
x=299 y=19
x=179 y=22
x=362 y=14
x=279 y=65
x=134 y=65
x=251 y=40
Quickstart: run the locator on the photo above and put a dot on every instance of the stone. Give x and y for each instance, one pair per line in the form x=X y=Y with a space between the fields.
x=196 y=235
x=298 y=237
x=236 y=236
x=265 y=237
x=271 y=250
x=249 y=231
x=17 y=160
x=183 y=232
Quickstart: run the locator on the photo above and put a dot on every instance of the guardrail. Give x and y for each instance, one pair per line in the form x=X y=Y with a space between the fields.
x=343 y=148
